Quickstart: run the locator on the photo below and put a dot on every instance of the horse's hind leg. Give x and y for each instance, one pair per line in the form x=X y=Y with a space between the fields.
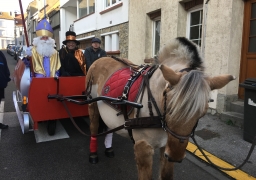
x=144 y=159
x=94 y=125
x=166 y=170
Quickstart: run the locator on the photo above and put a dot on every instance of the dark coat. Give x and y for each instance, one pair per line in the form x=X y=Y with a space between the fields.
x=91 y=56
x=4 y=74
x=69 y=64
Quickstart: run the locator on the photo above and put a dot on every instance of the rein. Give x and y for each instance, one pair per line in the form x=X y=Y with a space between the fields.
x=222 y=168
x=151 y=121
x=166 y=128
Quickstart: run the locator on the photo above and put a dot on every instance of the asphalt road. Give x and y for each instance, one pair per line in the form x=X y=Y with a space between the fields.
x=23 y=158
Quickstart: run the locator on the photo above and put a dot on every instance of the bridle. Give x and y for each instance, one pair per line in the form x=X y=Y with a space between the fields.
x=163 y=117
x=155 y=119
x=167 y=129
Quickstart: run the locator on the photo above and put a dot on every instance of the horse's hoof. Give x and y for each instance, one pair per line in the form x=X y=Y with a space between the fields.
x=109 y=152
x=93 y=158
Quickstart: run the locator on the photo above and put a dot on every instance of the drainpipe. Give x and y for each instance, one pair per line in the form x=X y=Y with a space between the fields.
x=205 y=25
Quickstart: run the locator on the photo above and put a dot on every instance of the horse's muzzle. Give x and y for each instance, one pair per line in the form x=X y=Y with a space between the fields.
x=171 y=160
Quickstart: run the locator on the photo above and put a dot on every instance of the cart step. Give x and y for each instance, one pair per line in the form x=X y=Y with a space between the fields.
x=42 y=135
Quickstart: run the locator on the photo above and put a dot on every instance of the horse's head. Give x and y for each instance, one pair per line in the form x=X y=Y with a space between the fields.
x=185 y=100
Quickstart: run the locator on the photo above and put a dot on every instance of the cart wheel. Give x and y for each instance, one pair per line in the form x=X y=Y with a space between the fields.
x=51 y=127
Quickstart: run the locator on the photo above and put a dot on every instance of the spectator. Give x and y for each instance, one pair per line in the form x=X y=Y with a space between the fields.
x=93 y=53
x=4 y=79
x=71 y=58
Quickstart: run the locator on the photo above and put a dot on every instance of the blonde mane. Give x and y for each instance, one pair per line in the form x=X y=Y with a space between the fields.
x=181 y=51
x=189 y=97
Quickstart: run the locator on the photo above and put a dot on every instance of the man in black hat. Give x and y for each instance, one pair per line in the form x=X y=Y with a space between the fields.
x=71 y=58
x=93 y=53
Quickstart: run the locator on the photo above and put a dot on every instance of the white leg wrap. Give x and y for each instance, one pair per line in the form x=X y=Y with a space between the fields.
x=108 y=140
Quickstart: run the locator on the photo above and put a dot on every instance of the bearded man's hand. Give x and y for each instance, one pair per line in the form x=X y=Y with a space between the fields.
x=29 y=51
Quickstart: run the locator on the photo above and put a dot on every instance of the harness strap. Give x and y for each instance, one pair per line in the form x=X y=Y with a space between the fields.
x=142 y=94
x=74 y=123
x=131 y=80
x=150 y=96
x=143 y=122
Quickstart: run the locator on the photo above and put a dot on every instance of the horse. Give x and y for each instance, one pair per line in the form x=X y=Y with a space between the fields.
x=180 y=89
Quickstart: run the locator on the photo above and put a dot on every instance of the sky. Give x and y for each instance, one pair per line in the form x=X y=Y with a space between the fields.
x=13 y=5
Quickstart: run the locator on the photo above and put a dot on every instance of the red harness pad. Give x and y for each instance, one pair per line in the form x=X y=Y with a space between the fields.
x=114 y=86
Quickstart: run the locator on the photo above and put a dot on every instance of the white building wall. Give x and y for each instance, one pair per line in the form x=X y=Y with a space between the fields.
x=98 y=21
x=8 y=37
x=67 y=18
x=63 y=2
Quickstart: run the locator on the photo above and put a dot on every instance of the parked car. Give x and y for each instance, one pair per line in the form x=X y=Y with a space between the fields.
x=20 y=52
x=12 y=51
x=9 y=47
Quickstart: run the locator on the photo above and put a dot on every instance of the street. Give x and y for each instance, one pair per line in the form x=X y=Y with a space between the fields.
x=23 y=158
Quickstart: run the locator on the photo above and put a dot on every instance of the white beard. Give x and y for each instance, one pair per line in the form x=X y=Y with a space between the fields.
x=44 y=48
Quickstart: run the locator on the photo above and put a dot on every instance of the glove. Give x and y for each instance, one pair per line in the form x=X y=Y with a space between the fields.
x=29 y=51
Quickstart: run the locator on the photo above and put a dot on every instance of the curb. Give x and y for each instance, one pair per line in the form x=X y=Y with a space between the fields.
x=237 y=174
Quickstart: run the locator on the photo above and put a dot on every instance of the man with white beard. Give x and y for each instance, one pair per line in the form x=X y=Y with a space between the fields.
x=45 y=59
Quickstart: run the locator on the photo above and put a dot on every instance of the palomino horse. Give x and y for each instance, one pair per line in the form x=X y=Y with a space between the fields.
x=180 y=89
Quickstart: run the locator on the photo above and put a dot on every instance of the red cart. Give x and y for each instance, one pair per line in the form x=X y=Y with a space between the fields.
x=31 y=99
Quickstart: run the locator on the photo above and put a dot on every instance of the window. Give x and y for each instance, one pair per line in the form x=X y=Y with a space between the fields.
x=1 y=24
x=252 y=35
x=111 y=2
x=86 y=7
x=2 y=33
x=195 y=20
x=156 y=36
x=155 y=17
x=111 y=41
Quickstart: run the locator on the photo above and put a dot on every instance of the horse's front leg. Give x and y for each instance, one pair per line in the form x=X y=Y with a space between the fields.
x=166 y=169
x=144 y=159
x=94 y=125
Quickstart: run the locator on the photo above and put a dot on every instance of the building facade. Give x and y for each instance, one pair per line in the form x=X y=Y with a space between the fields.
x=19 y=37
x=36 y=11
x=31 y=20
x=6 y=29
x=225 y=31
x=104 y=19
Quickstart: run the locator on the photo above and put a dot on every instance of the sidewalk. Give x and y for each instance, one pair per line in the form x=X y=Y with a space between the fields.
x=226 y=143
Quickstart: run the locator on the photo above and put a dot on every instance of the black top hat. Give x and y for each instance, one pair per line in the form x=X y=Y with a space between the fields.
x=70 y=36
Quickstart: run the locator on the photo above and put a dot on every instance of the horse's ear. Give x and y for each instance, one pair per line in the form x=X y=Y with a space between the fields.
x=169 y=75
x=220 y=81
